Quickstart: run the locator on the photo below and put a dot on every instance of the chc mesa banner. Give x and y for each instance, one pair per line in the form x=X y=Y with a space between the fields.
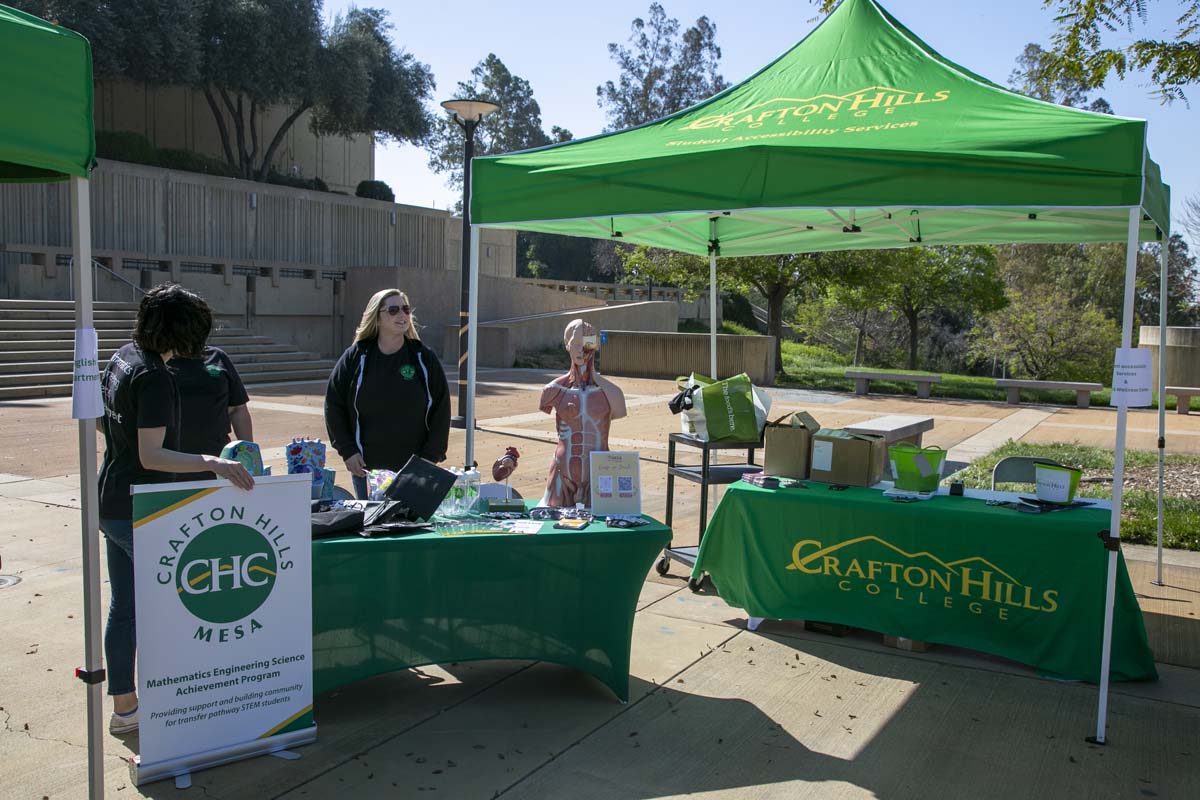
x=224 y=622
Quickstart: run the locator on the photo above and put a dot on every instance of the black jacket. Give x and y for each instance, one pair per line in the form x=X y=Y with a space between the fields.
x=421 y=428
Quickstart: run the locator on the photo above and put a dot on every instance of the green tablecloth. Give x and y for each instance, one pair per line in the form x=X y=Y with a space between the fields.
x=953 y=570
x=562 y=596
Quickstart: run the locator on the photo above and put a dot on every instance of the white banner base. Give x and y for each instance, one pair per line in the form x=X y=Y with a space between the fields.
x=214 y=758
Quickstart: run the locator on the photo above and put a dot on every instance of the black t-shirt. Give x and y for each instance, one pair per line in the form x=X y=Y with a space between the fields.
x=392 y=404
x=208 y=388
x=138 y=393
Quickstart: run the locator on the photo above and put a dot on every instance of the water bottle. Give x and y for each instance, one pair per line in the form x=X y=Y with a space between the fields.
x=449 y=507
x=472 y=494
x=458 y=506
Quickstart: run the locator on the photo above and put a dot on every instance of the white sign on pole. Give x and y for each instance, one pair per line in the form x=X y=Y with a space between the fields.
x=224 y=621
x=86 y=402
x=1132 y=382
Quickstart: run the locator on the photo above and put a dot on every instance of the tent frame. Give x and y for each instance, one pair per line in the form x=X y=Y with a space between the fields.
x=852 y=224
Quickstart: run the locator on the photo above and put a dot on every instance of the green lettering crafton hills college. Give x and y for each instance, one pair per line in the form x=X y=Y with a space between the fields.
x=921 y=572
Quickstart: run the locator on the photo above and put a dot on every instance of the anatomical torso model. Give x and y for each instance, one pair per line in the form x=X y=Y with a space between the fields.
x=584 y=405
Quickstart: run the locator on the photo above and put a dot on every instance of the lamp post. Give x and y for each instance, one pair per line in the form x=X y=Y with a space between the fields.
x=468 y=114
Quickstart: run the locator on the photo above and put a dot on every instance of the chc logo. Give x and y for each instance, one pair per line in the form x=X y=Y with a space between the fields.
x=226 y=573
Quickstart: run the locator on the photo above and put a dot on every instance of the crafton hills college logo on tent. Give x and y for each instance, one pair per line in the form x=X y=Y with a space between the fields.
x=791 y=111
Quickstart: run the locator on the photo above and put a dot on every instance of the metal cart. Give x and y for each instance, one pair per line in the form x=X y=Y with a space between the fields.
x=706 y=474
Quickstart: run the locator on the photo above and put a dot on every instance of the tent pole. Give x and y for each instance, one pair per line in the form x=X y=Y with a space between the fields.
x=81 y=242
x=713 y=297
x=1114 y=535
x=1164 y=257
x=472 y=349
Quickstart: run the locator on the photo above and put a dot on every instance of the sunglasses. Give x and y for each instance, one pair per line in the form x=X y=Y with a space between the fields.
x=394 y=310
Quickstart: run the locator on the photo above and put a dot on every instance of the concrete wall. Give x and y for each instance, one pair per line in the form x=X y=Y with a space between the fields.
x=636 y=354
x=1183 y=354
x=160 y=214
x=179 y=117
x=500 y=341
x=615 y=293
x=435 y=297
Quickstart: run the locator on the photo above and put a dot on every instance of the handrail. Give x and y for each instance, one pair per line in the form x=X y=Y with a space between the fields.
x=97 y=265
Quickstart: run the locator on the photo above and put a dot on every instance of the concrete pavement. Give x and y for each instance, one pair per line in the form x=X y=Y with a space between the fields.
x=716 y=711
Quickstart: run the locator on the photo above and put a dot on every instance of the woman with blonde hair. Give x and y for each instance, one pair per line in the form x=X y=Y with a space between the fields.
x=387 y=398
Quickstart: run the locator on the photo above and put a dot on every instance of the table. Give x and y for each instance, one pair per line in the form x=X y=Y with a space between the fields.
x=562 y=596
x=953 y=570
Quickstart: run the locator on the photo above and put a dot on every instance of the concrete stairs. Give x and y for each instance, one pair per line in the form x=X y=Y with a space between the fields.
x=37 y=340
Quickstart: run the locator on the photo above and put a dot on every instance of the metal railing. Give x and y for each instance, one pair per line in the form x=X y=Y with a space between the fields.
x=136 y=292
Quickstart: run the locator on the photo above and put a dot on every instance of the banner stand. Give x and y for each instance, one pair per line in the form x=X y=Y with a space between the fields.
x=223 y=583
x=185 y=765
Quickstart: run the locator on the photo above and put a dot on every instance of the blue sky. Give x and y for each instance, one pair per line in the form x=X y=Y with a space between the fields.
x=561 y=48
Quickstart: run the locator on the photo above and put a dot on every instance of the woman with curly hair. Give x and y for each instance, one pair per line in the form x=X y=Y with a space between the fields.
x=141 y=445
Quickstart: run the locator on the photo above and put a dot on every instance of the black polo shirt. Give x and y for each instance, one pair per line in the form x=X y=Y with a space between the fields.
x=208 y=388
x=139 y=392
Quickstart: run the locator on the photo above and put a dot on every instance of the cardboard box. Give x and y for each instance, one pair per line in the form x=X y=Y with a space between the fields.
x=788 y=443
x=853 y=459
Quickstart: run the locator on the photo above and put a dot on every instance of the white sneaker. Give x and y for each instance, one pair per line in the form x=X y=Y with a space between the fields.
x=123 y=723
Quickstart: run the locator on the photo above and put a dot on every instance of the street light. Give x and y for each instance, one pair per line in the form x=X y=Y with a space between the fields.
x=468 y=114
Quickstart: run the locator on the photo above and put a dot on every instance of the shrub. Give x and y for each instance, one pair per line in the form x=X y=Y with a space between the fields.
x=187 y=161
x=126 y=146
x=296 y=182
x=736 y=308
x=375 y=190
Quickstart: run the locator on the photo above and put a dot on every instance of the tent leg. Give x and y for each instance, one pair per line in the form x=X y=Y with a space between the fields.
x=1164 y=256
x=713 y=298
x=1114 y=541
x=472 y=349
x=81 y=239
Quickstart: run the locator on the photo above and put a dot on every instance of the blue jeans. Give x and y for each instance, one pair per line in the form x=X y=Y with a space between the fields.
x=360 y=487
x=120 y=634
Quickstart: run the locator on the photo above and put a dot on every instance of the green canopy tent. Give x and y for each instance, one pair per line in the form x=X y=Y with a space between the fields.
x=47 y=134
x=859 y=137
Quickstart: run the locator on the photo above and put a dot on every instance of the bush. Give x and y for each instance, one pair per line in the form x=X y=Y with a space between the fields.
x=736 y=308
x=296 y=182
x=375 y=190
x=126 y=146
x=187 y=161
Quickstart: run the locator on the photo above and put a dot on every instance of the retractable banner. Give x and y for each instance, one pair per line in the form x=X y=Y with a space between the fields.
x=223 y=587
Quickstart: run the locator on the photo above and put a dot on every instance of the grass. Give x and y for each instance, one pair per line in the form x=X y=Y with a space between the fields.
x=813 y=367
x=1139 y=519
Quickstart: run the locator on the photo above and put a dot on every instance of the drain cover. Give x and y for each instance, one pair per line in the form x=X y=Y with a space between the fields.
x=8 y=580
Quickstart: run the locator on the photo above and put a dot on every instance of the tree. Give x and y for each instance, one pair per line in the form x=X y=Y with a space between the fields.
x=261 y=53
x=516 y=126
x=249 y=55
x=1083 y=51
x=147 y=40
x=661 y=72
x=916 y=281
x=1035 y=76
x=1046 y=339
x=1191 y=217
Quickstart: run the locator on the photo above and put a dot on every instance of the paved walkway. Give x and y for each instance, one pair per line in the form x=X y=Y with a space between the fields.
x=716 y=711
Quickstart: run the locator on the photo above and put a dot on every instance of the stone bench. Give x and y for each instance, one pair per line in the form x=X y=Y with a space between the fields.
x=1183 y=397
x=894 y=428
x=1083 y=391
x=862 y=380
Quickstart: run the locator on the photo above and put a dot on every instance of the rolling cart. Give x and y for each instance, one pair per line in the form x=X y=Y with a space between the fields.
x=706 y=474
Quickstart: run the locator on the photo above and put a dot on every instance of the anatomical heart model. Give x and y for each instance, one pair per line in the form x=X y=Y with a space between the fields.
x=584 y=405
